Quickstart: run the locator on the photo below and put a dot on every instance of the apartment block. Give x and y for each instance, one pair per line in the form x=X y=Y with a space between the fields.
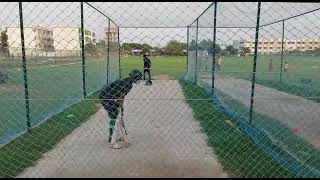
x=67 y=40
x=38 y=41
x=272 y=46
x=113 y=34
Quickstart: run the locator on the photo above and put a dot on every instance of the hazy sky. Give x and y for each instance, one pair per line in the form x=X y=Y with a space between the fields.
x=169 y=14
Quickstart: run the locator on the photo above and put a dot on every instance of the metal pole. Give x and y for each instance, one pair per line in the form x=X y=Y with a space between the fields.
x=108 y=57
x=119 y=52
x=24 y=67
x=196 y=66
x=214 y=47
x=282 y=50
x=187 y=49
x=83 y=55
x=254 y=63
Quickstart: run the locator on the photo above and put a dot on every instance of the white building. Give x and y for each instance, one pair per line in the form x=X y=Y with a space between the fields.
x=67 y=40
x=113 y=34
x=271 y=46
x=38 y=41
x=136 y=52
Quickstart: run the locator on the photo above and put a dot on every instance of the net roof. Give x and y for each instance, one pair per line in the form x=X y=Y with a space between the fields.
x=182 y=14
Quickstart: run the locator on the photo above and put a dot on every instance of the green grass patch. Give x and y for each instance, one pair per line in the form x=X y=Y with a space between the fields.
x=25 y=150
x=174 y=66
x=50 y=89
x=236 y=152
x=282 y=135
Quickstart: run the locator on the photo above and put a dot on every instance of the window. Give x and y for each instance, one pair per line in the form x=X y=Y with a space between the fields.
x=271 y=42
x=265 y=43
x=87 y=39
x=270 y=47
x=298 y=42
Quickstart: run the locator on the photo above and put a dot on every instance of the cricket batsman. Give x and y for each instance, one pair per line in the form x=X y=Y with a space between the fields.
x=112 y=98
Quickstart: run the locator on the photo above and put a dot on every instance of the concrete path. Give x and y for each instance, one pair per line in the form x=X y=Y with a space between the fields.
x=294 y=111
x=166 y=141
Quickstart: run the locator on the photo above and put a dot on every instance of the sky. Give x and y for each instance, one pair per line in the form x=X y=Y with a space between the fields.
x=172 y=17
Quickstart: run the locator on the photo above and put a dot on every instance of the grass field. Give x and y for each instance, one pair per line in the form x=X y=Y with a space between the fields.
x=54 y=87
x=302 y=77
x=174 y=66
x=25 y=150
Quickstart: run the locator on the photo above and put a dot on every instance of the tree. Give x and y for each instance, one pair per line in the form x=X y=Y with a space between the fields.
x=230 y=50
x=130 y=46
x=246 y=51
x=174 y=48
x=91 y=49
x=146 y=48
x=4 y=50
x=205 y=44
x=217 y=49
x=102 y=48
x=157 y=51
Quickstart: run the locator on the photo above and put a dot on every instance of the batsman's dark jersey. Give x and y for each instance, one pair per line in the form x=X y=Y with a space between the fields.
x=110 y=93
x=146 y=62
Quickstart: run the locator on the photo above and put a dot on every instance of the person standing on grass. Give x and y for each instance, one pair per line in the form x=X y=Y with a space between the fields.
x=112 y=98
x=286 y=66
x=147 y=67
x=218 y=63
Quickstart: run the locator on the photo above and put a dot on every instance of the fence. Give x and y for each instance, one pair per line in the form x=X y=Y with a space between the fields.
x=257 y=62
x=41 y=84
x=263 y=71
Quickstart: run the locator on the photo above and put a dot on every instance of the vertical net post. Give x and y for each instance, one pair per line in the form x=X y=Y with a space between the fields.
x=119 y=52
x=24 y=67
x=196 y=64
x=187 y=49
x=83 y=56
x=254 y=63
x=108 y=53
x=282 y=42
x=214 y=47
